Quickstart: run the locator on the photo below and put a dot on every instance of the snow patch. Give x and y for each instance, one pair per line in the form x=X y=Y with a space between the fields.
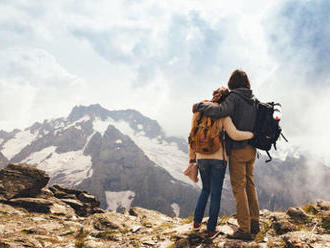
x=176 y=209
x=101 y=126
x=140 y=126
x=75 y=124
x=73 y=167
x=38 y=157
x=16 y=144
x=121 y=199
x=119 y=141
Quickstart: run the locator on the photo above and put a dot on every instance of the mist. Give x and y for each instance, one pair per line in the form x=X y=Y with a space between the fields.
x=161 y=58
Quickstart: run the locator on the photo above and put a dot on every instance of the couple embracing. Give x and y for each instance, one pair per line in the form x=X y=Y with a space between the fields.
x=230 y=117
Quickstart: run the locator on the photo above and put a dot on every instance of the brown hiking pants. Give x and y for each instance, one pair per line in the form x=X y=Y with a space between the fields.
x=241 y=166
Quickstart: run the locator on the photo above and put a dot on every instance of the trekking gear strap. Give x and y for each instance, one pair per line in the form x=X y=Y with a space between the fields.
x=270 y=157
x=284 y=137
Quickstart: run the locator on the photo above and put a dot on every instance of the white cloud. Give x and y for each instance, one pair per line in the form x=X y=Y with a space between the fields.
x=154 y=56
x=34 y=85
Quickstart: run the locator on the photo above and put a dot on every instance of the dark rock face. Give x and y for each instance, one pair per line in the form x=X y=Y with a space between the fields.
x=19 y=180
x=32 y=204
x=124 y=166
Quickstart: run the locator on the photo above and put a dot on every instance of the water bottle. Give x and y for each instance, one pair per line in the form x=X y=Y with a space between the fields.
x=277 y=112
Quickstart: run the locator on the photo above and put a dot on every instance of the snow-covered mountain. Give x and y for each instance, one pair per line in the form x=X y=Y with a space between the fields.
x=122 y=157
x=125 y=159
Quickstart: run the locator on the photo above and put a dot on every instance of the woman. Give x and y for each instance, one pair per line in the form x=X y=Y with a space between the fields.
x=212 y=168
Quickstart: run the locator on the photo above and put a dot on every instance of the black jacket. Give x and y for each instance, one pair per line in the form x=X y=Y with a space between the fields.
x=240 y=106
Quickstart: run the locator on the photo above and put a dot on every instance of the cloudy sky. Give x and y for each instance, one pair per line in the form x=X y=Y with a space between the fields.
x=159 y=57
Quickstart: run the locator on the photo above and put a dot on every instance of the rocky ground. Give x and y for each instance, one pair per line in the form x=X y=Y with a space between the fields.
x=33 y=215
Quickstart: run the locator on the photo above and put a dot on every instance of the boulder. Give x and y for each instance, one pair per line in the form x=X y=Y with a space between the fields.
x=298 y=215
x=59 y=188
x=83 y=203
x=89 y=199
x=20 y=180
x=102 y=222
x=323 y=205
x=283 y=226
x=78 y=207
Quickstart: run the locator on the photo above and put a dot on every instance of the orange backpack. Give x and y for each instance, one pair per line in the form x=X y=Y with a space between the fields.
x=204 y=136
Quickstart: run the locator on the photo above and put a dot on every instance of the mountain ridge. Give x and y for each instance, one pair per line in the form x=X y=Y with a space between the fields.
x=93 y=142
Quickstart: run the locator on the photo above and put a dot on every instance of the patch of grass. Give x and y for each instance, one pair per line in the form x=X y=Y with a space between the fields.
x=262 y=234
x=223 y=220
x=80 y=238
x=170 y=246
x=82 y=234
x=25 y=231
x=79 y=244
x=175 y=238
x=123 y=230
x=8 y=217
x=107 y=235
x=187 y=220
x=146 y=224
x=326 y=225
x=310 y=209
x=162 y=227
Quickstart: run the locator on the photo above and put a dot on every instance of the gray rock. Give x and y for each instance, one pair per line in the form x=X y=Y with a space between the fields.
x=283 y=226
x=103 y=223
x=298 y=215
x=79 y=207
x=324 y=205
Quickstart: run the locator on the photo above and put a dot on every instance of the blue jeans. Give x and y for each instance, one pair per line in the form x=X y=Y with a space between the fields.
x=212 y=172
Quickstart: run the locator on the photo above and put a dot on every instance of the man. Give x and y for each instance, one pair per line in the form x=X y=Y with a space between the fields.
x=240 y=106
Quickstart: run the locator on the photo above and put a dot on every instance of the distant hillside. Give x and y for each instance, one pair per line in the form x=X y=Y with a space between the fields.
x=125 y=159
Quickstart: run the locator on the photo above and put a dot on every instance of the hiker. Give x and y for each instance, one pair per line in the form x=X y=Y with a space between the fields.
x=212 y=167
x=240 y=106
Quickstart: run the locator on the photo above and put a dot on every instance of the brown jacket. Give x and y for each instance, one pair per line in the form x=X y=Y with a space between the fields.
x=227 y=124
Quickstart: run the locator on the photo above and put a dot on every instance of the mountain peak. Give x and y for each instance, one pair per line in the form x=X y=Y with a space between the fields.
x=92 y=110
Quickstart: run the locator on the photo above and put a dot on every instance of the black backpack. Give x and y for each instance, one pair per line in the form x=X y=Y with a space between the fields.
x=267 y=130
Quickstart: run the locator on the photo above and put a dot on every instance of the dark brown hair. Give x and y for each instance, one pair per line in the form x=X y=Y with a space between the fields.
x=239 y=79
x=220 y=94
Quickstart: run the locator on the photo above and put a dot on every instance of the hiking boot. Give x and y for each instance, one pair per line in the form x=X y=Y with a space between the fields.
x=197 y=226
x=213 y=234
x=240 y=235
x=255 y=227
